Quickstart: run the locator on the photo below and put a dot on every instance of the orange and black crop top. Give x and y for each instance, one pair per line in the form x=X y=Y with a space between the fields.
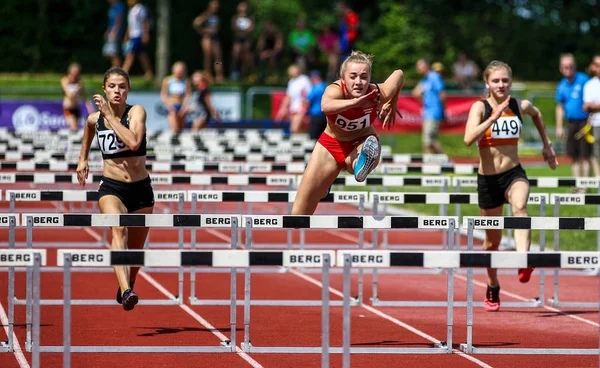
x=506 y=130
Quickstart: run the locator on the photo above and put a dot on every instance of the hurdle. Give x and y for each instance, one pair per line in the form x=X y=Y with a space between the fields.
x=316 y=222
x=555 y=260
x=177 y=258
x=32 y=221
x=559 y=200
x=245 y=258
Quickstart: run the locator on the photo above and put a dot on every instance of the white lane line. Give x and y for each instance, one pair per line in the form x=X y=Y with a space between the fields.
x=17 y=347
x=521 y=298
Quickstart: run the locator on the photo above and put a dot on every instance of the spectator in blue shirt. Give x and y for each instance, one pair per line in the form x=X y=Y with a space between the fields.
x=431 y=91
x=115 y=31
x=318 y=121
x=569 y=107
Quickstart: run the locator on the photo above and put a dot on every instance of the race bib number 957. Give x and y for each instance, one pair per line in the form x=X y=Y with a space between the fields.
x=351 y=125
x=110 y=143
x=506 y=127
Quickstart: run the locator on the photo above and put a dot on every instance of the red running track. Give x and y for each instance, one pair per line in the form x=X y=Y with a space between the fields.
x=300 y=326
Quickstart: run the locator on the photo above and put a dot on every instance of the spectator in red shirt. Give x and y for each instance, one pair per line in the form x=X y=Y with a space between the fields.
x=349 y=27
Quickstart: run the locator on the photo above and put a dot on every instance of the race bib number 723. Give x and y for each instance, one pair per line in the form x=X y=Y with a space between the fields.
x=351 y=125
x=506 y=127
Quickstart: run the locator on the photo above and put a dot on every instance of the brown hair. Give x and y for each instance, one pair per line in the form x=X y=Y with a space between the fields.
x=358 y=57
x=118 y=71
x=495 y=65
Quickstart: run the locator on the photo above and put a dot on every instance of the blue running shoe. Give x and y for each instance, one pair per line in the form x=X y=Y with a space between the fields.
x=130 y=299
x=366 y=159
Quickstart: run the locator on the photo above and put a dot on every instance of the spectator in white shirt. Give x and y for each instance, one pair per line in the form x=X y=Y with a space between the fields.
x=591 y=104
x=294 y=104
x=137 y=37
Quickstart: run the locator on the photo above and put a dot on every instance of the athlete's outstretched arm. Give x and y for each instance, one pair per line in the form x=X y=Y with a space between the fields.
x=333 y=101
x=536 y=115
x=392 y=86
x=88 y=135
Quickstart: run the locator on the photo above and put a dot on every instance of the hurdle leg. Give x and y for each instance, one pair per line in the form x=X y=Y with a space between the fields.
x=233 y=311
x=35 y=350
x=375 y=278
x=11 y=287
x=542 y=297
x=361 y=245
x=346 y=308
x=247 y=276
x=325 y=313
x=554 y=301
x=29 y=288
x=67 y=311
x=450 y=307
x=468 y=347
x=193 y=269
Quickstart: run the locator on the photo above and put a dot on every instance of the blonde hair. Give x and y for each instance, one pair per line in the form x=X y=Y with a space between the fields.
x=492 y=66
x=203 y=75
x=357 y=57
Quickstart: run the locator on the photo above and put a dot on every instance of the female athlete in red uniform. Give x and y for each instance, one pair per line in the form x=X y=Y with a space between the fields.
x=495 y=124
x=349 y=141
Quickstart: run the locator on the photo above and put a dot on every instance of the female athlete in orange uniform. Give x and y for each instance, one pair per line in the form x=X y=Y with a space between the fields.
x=496 y=124
x=349 y=141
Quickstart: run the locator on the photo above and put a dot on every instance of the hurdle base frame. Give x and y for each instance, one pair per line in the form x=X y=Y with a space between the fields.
x=224 y=347
x=536 y=302
x=528 y=351
x=110 y=302
x=556 y=303
x=271 y=303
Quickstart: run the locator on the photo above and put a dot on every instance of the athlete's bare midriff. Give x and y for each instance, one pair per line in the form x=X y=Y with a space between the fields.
x=498 y=159
x=342 y=135
x=126 y=169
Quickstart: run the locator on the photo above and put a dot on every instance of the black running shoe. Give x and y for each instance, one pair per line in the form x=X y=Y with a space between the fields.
x=492 y=299
x=119 y=296
x=130 y=299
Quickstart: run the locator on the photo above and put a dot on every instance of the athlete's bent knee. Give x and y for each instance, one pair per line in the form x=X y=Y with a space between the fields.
x=119 y=232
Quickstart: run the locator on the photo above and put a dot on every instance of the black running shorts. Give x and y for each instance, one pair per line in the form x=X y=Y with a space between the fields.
x=134 y=195
x=492 y=188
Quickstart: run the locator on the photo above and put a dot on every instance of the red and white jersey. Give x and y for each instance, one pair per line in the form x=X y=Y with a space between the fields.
x=354 y=119
x=506 y=130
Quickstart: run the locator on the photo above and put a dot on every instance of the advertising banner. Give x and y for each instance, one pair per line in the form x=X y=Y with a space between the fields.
x=456 y=113
x=34 y=115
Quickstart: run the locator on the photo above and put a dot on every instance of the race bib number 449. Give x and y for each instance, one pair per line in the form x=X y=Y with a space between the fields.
x=351 y=125
x=506 y=127
x=110 y=143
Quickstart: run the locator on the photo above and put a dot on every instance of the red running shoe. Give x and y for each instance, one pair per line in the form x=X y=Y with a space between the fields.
x=492 y=299
x=525 y=274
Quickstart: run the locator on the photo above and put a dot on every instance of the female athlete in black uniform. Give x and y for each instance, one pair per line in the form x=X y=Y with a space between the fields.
x=125 y=186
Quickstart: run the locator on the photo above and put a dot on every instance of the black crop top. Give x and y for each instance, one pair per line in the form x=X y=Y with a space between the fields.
x=111 y=145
